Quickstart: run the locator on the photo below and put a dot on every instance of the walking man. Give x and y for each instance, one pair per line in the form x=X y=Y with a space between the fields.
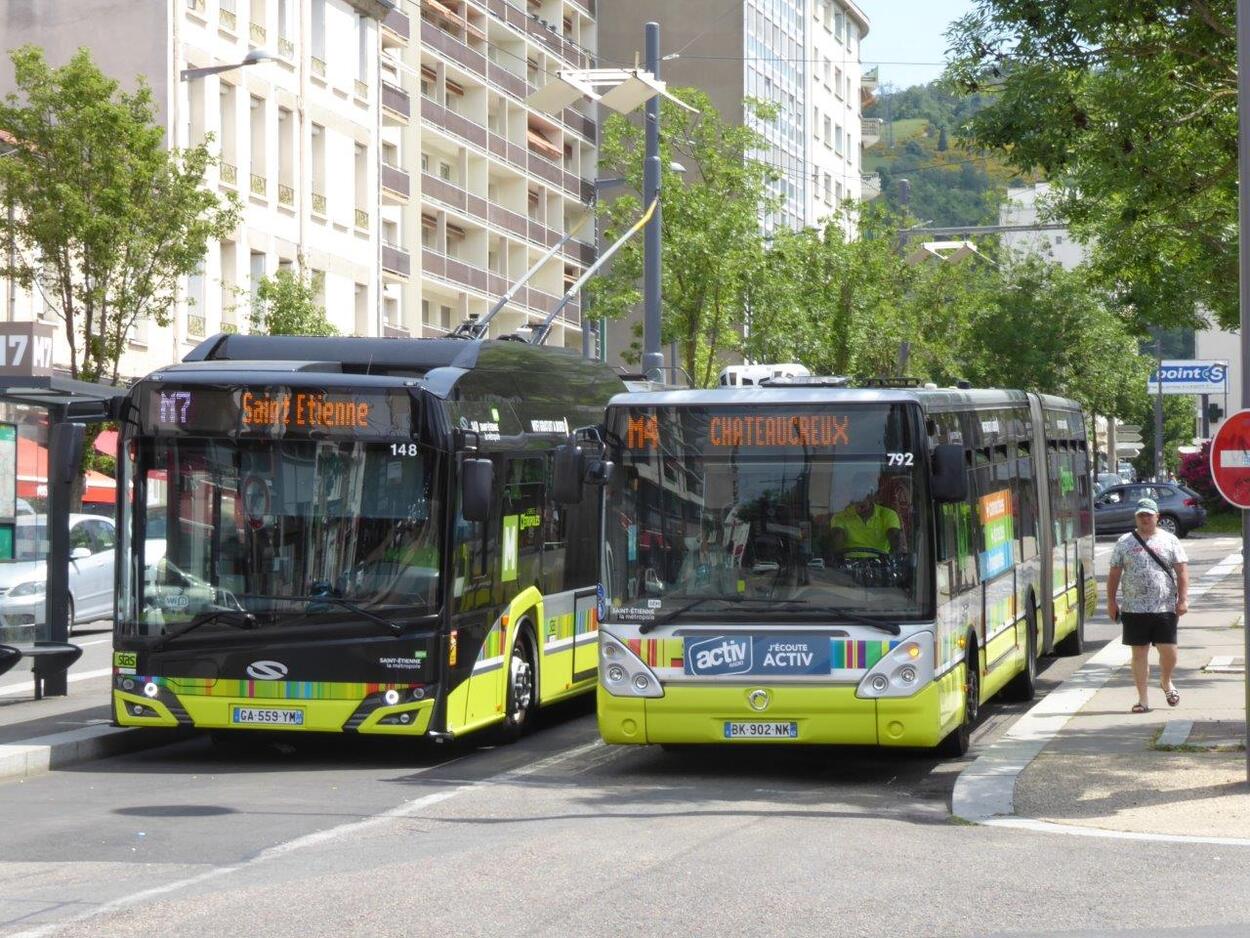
x=1150 y=569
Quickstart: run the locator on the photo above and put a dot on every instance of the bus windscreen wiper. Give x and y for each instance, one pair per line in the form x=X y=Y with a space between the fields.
x=332 y=600
x=776 y=605
x=686 y=607
x=240 y=619
x=891 y=627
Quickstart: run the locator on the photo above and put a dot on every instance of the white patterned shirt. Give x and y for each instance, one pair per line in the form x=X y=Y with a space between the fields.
x=1144 y=586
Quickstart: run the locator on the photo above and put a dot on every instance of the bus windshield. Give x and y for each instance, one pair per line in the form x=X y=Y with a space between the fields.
x=768 y=513
x=276 y=531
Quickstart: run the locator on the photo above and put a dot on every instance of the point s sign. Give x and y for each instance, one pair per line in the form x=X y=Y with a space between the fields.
x=1230 y=459
x=26 y=349
x=1190 y=377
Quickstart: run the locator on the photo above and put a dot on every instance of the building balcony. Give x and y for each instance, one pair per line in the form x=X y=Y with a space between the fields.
x=195 y=326
x=396 y=185
x=435 y=114
x=256 y=33
x=229 y=174
x=286 y=195
x=447 y=45
x=228 y=20
x=319 y=204
x=260 y=186
x=396 y=261
x=318 y=66
x=454 y=270
x=870 y=130
x=286 y=49
x=396 y=105
x=396 y=29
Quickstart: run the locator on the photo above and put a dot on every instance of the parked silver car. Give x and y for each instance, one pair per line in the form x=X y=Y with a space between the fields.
x=24 y=579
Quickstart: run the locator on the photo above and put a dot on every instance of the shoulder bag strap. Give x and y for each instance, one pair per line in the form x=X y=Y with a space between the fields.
x=1157 y=558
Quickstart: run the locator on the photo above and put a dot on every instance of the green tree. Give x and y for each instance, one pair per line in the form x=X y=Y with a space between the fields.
x=105 y=217
x=1130 y=109
x=713 y=241
x=1049 y=329
x=286 y=304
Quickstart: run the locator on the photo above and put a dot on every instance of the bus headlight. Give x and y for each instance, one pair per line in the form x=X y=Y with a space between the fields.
x=906 y=669
x=624 y=674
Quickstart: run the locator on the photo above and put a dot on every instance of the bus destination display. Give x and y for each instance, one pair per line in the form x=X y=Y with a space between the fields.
x=278 y=412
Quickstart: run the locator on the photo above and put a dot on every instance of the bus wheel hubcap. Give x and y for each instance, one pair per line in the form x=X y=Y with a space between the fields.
x=522 y=686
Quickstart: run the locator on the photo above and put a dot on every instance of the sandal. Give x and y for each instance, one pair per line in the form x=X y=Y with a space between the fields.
x=1139 y=708
x=1173 y=697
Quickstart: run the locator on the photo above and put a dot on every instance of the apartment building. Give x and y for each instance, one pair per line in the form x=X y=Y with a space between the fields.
x=477 y=185
x=802 y=56
x=297 y=137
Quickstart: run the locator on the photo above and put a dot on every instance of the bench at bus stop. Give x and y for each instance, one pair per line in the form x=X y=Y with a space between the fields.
x=47 y=660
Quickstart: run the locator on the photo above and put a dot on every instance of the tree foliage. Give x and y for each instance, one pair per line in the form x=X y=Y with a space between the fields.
x=286 y=304
x=1130 y=109
x=713 y=242
x=106 y=219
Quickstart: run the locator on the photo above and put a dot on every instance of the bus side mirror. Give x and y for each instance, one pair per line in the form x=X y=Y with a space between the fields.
x=568 y=470
x=599 y=471
x=950 y=478
x=477 y=483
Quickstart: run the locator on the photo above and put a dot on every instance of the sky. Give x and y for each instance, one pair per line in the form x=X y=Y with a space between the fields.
x=908 y=31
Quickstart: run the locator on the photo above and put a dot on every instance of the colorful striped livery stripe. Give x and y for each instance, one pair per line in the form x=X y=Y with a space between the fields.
x=271 y=690
x=846 y=654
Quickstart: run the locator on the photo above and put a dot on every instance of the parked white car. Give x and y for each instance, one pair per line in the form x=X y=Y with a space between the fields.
x=24 y=580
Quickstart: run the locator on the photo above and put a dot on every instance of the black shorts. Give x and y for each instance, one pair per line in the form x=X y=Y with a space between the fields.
x=1149 y=628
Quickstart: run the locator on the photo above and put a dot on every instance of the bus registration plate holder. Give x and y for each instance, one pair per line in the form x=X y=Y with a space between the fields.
x=761 y=729
x=266 y=716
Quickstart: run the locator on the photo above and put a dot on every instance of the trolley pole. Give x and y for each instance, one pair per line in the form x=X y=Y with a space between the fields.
x=652 y=357
x=1243 y=252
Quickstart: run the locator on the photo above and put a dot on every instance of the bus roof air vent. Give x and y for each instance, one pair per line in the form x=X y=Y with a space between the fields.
x=805 y=381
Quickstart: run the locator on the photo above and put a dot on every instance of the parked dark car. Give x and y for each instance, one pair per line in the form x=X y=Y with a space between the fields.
x=1180 y=508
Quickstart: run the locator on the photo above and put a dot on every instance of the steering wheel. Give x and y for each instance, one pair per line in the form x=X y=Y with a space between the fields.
x=868 y=553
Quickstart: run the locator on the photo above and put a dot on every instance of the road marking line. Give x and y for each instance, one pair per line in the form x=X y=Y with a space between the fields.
x=985 y=791
x=24 y=687
x=406 y=810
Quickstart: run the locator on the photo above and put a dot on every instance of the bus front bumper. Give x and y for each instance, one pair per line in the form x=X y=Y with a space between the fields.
x=824 y=714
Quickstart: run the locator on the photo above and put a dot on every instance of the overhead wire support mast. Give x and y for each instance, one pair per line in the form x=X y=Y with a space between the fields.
x=540 y=334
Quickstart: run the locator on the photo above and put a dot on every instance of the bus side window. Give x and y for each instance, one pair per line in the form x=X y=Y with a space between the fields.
x=1026 y=510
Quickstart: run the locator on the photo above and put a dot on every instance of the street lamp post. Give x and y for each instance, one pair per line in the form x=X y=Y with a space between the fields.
x=652 y=357
x=1243 y=258
x=254 y=57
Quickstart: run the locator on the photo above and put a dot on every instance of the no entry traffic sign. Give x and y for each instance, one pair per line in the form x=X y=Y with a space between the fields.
x=1230 y=459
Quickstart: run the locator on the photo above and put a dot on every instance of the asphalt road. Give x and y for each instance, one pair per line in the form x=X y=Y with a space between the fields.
x=560 y=835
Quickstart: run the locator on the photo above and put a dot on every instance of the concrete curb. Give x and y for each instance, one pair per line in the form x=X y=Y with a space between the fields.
x=47 y=753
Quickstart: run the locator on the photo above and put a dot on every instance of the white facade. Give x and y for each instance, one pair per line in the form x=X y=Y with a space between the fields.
x=297 y=138
x=803 y=56
x=1024 y=208
x=1216 y=345
x=477 y=185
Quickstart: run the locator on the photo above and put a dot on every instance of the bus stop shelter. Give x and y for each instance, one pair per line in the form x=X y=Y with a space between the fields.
x=52 y=410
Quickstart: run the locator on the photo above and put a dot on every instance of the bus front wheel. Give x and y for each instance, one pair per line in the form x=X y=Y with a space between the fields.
x=960 y=739
x=522 y=695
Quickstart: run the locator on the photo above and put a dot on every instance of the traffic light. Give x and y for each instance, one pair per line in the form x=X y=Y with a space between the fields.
x=1214 y=413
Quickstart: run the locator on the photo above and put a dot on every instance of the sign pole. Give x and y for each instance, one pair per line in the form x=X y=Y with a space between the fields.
x=1159 y=409
x=1243 y=257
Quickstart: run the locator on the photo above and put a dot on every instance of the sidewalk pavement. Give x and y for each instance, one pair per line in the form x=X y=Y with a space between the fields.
x=40 y=735
x=1175 y=771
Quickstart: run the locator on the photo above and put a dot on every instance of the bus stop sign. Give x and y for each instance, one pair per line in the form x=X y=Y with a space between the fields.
x=1230 y=459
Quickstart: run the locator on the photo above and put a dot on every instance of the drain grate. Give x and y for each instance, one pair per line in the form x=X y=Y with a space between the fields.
x=1226 y=664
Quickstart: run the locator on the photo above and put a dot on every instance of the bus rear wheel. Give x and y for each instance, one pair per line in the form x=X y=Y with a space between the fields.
x=960 y=739
x=522 y=694
x=1024 y=685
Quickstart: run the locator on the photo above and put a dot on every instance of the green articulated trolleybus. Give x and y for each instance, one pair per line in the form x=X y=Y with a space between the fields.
x=814 y=563
x=354 y=535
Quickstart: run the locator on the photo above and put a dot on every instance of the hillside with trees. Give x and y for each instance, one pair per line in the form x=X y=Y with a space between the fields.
x=950 y=184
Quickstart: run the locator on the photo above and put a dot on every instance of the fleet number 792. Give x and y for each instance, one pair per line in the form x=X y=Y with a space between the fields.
x=900 y=459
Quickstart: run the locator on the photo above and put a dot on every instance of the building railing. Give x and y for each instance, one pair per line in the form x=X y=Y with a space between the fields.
x=286 y=48
x=395 y=99
x=286 y=195
x=362 y=219
x=256 y=33
x=361 y=88
x=229 y=173
x=396 y=180
x=196 y=325
x=318 y=66
x=260 y=185
x=228 y=20
x=229 y=327
x=397 y=23
x=318 y=203
x=396 y=260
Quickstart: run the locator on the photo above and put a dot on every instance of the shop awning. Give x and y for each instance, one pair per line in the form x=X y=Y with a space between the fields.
x=32 y=476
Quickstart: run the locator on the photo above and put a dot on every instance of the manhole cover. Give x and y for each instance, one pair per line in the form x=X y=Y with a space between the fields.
x=1226 y=664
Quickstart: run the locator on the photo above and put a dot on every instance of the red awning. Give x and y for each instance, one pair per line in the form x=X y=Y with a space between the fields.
x=106 y=442
x=32 y=475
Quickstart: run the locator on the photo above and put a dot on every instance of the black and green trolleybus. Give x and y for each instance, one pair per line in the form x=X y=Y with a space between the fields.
x=354 y=535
